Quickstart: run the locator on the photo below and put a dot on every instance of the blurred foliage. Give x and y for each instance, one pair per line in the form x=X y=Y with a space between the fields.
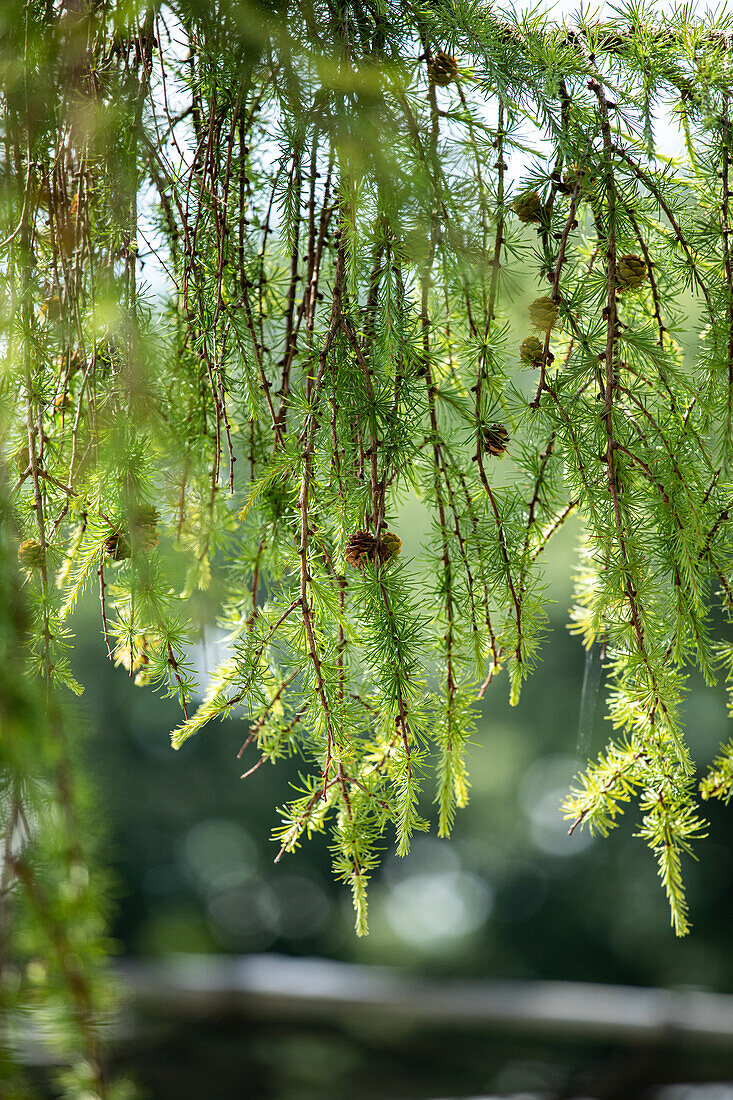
x=54 y=895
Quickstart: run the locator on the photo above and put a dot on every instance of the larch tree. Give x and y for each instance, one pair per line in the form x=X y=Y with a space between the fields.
x=327 y=194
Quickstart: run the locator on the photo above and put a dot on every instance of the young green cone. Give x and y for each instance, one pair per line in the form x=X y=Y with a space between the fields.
x=528 y=207
x=543 y=313
x=631 y=271
x=30 y=554
x=531 y=351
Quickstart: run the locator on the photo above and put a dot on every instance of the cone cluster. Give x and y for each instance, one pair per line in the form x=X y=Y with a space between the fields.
x=363 y=547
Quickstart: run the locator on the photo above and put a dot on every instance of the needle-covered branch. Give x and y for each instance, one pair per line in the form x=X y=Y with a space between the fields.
x=341 y=214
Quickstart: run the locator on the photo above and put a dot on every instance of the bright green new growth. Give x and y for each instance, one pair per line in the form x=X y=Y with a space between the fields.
x=338 y=247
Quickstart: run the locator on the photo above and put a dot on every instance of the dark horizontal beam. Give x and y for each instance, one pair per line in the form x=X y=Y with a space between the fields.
x=310 y=988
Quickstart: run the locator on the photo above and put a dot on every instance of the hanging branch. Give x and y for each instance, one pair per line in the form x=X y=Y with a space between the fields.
x=337 y=273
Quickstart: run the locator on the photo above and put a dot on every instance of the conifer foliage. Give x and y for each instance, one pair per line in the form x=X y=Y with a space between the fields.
x=325 y=192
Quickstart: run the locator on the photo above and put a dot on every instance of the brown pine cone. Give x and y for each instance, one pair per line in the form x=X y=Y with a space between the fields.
x=117 y=546
x=443 y=68
x=361 y=547
x=495 y=439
